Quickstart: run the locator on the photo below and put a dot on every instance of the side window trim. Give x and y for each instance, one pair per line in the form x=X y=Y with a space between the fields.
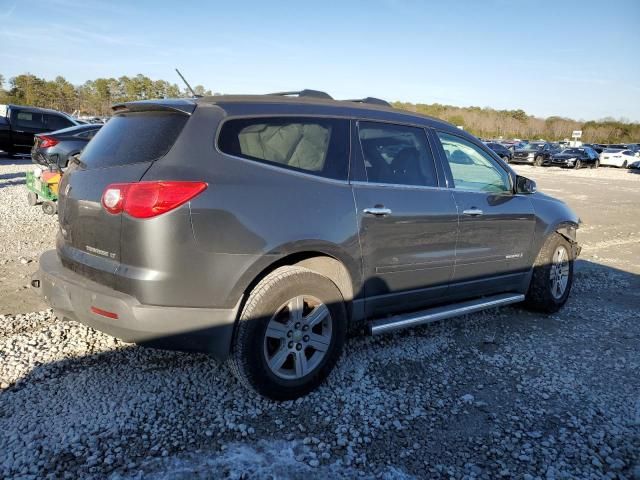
x=357 y=155
x=447 y=168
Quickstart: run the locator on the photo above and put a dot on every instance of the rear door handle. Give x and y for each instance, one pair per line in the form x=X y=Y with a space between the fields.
x=473 y=212
x=377 y=211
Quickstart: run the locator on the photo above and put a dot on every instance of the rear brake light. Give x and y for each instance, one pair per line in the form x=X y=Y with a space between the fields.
x=46 y=142
x=148 y=199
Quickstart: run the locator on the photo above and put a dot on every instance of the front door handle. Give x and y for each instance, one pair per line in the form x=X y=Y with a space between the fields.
x=377 y=211
x=473 y=212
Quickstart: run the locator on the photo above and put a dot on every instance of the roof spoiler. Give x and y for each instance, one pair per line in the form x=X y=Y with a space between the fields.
x=184 y=106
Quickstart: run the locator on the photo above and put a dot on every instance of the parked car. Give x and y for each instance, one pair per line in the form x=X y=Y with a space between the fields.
x=20 y=124
x=56 y=148
x=617 y=157
x=261 y=229
x=536 y=153
x=596 y=148
x=500 y=150
x=576 y=158
x=514 y=145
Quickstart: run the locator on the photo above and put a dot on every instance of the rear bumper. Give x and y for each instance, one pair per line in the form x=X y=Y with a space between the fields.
x=72 y=297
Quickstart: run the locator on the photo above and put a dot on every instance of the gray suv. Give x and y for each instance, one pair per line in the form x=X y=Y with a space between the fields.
x=263 y=229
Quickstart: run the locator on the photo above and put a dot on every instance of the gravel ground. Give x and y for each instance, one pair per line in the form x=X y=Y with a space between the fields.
x=504 y=393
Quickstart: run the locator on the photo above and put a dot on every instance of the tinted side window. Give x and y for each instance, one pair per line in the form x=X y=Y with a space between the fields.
x=396 y=154
x=88 y=133
x=312 y=145
x=134 y=137
x=471 y=167
x=28 y=120
x=57 y=122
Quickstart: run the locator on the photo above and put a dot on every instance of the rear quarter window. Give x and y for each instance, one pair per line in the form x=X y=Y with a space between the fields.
x=134 y=137
x=318 y=146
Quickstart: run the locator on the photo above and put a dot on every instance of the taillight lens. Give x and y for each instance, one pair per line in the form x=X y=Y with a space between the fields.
x=148 y=199
x=46 y=142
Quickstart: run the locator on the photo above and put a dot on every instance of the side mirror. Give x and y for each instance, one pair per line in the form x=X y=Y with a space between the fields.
x=525 y=185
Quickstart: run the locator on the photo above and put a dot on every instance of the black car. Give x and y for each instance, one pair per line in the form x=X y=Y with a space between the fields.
x=262 y=229
x=536 y=153
x=576 y=158
x=56 y=148
x=19 y=124
x=502 y=151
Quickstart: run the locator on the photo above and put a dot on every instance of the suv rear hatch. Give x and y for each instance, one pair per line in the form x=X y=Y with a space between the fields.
x=89 y=241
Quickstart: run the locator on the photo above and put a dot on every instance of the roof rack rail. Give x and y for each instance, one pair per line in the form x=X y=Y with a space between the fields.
x=371 y=100
x=305 y=93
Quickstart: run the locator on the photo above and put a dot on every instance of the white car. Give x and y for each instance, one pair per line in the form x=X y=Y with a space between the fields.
x=617 y=157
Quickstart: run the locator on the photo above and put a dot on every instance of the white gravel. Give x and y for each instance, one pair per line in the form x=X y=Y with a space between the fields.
x=504 y=393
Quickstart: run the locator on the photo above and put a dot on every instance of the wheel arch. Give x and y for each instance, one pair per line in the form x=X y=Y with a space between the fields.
x=339 y=267
x=321 y=262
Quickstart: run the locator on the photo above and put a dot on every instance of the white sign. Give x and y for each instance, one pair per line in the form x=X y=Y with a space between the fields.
x=577 y=134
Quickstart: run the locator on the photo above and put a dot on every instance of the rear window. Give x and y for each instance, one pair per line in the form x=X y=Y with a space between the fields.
x=134 y=137
x=318 y=146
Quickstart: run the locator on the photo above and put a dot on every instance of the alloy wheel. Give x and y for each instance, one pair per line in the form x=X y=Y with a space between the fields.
x=559 y=273
x=298 y=337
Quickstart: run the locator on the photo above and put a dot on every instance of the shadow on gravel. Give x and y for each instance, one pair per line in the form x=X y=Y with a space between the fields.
x=173 y=415
x=9 y=176
x=11 y=183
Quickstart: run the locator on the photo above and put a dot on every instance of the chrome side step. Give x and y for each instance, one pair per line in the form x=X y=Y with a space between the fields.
x=397 y=322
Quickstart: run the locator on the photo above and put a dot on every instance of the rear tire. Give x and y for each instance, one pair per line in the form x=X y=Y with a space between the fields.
x=507 y=159
x=624 y=164
x=578 y=165
x=49 y=207
x=552 y=276
x=282 y=355
x=596 y=164
x=32 y=199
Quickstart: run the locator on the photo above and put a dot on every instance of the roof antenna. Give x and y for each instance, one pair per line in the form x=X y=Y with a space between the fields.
x=187 y=84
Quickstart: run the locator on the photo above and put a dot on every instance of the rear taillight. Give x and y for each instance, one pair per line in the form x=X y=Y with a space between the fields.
x=148 y=199
x=46 y=142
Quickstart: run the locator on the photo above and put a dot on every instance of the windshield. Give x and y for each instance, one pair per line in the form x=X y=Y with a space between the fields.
x=534 y=146
x=613 y=150
x=572 y=151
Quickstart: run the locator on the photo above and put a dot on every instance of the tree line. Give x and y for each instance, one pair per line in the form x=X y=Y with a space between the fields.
x=490 y=123
x=95 y=97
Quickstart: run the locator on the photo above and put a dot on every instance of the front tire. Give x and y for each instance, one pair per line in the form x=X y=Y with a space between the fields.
x=552 y=276
x=290 y=334
x=578 y=165
x=624 y=164
x=538 y=161
x=596 y=164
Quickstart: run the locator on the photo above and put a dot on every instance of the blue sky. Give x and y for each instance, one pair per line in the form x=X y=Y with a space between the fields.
x=573 y=58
